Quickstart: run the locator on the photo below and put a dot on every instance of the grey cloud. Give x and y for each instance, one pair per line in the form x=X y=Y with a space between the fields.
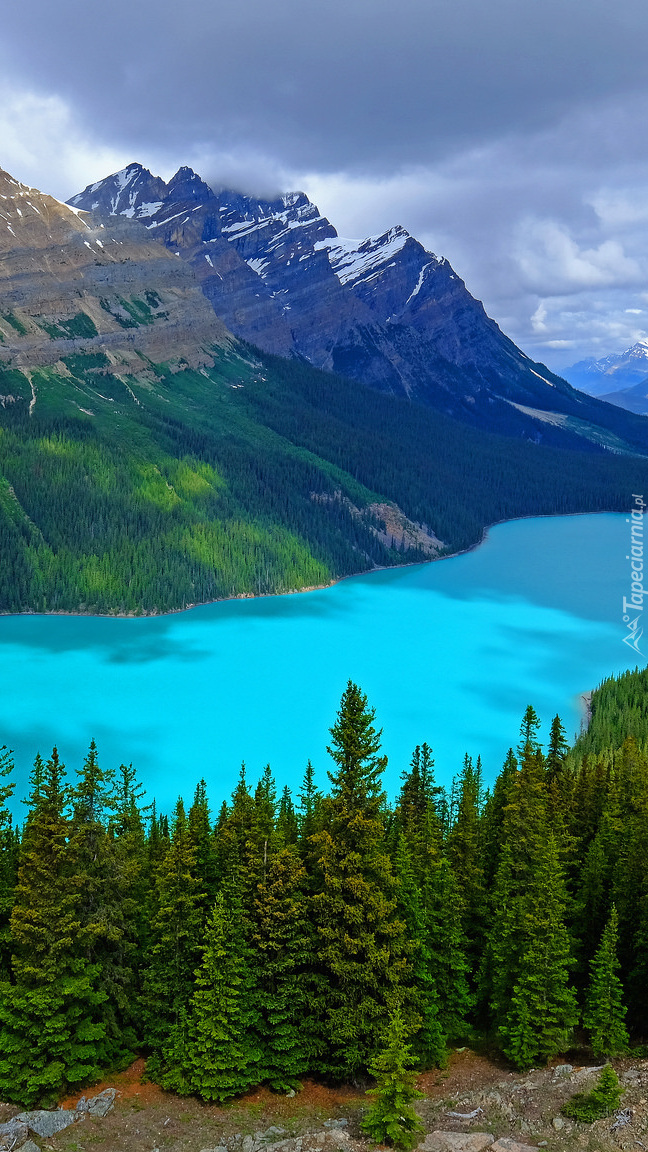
x=508 y=136
x=359 y=84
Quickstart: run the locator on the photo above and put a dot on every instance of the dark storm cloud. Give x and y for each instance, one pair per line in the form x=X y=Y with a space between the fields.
x=511 y=136
x=346 y=84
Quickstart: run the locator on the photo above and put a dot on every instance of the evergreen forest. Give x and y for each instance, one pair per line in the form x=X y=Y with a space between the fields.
x=327 y=932
x=174 y=485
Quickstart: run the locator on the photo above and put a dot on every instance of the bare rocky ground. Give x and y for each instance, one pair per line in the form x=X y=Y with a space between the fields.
x=497 y=1109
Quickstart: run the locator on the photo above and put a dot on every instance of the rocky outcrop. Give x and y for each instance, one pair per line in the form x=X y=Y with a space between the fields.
x=46 y=1123
x=71 y=285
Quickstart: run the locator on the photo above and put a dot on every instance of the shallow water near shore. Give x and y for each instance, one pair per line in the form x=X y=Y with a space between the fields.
x=449 y=652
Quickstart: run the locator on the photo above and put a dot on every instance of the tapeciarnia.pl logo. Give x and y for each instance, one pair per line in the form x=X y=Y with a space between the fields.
x=633 y=608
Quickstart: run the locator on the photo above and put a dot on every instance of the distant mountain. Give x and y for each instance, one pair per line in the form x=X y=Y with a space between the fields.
x=611 y=373
x=383 y=311
x=634 y=399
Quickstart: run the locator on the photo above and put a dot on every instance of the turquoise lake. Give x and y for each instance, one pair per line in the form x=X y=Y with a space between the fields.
x=449 y=653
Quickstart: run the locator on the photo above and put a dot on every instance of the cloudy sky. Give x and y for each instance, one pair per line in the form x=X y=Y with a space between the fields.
x=511 y=137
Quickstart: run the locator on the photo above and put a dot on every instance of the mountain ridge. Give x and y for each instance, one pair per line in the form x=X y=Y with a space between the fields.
x=382 y=310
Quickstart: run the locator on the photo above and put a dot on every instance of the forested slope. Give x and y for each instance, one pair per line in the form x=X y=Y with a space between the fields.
x=161 y=485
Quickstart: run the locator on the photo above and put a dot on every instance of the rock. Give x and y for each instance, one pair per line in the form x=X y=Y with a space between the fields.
x=30 y=1146
x=561 y=1071
x=290 y=1093
x=271 y=1132
x=632 y=1076
x=456 y=1142
x=558 y=1123
x=102 y=1104
x=46 y=1124
x=506 y=1144
x=336 y=1123
x=13 y=1133
x=219 y=1148
x=585 y=1073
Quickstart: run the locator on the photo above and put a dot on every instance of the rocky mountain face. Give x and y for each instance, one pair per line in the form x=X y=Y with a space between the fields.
x=70 y=285
x=611 y=373
x=382 y=310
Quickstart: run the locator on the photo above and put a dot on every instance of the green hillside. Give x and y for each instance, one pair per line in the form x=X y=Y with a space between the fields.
x=173 y=485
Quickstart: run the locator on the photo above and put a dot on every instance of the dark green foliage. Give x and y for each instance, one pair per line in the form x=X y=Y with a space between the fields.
x=51 y=1033
x=283 y=941
x=176 y=938
x=9 y=853
x=279 y=944
x=259 y=489
x=392 y=1119
x=605 y=1014
x=360 y=949
x=81 y=326
x=603 y=1100
x=528 y=958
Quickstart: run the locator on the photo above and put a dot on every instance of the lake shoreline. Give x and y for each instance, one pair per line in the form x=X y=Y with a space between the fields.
x=154 y=614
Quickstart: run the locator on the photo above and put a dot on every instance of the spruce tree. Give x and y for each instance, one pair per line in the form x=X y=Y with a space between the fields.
x=526 y=965
x=420 y=995
x=175 y=947
x=392 y=1118
x=214 y=1053
x=9 y=848
x=361 y=958
x=605 y=1013
x=542 y=1010
x=283 y=946
x=100 y=896
x=51 y=1033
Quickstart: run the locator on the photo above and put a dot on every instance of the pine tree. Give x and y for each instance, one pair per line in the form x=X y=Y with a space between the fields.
x=100 y=897
x=201 y=836
x=603 y=1100
x=310 y=803
x=527 y=961
x=465 y=856
x=214 y=1053
x=557 y=750
x=605 y=1013
x=529 y=729
x=132 y=883
x=51 y=1035
x=9 y=847
x=360 y=938
x=542 y=1010
x=420 y=993
x=174 y=952
x=392 y=1118
x=283 y=945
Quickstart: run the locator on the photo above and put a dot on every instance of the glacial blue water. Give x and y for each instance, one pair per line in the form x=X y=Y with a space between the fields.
x=449 y=653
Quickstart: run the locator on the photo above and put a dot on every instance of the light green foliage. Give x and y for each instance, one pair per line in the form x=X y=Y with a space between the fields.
x=392 y=1118
x=212 y=1051
x=603 y=1100
x=605 y=1013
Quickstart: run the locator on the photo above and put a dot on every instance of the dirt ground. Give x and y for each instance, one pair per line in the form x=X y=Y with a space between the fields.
x=525 y=1107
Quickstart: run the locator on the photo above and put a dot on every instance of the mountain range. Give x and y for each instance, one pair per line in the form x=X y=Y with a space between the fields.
x=152 y=456
x=382 y=310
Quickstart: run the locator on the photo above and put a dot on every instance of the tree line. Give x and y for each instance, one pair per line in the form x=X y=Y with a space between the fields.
x=291 y=936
